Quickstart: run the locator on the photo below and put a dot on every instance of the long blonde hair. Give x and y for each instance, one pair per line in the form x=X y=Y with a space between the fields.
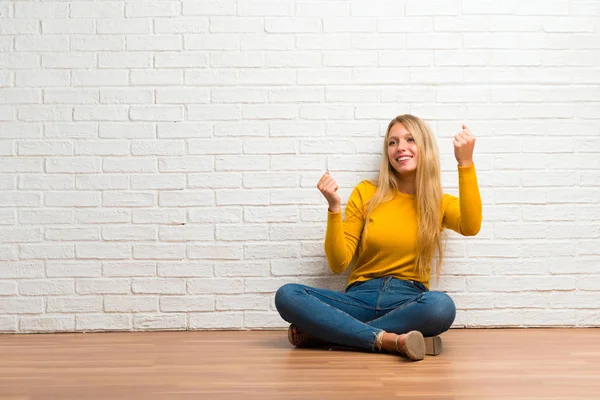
x=428 y=195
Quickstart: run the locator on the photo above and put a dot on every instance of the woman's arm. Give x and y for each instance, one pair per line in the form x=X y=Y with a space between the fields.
x=463 y=214
x=342 y=238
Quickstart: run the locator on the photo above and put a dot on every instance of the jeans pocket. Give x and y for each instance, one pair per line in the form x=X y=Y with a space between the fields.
x=419 y=286
x=354 y=285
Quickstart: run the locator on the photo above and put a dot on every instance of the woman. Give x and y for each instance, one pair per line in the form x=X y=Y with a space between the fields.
x=392 y=234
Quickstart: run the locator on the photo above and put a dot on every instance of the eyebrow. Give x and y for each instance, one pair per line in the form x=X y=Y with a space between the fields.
x=396 y=137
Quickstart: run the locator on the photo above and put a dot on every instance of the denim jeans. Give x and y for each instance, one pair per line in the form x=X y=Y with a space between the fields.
x=354 y=318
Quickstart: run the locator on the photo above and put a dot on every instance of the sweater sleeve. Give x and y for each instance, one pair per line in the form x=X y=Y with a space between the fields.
x=343 y=237
x=463 y=214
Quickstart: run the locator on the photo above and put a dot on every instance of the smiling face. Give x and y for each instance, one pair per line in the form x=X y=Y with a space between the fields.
x=402 y=150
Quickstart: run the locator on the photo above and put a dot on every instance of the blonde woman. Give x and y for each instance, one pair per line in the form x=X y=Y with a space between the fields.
x=391 y=235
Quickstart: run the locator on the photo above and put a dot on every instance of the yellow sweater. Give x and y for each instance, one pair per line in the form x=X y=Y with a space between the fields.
x=390 y=247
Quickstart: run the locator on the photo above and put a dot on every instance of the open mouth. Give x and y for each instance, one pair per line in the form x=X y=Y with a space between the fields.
x=403 y=159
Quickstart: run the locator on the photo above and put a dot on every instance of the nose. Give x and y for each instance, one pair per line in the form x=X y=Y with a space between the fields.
x=402 y=146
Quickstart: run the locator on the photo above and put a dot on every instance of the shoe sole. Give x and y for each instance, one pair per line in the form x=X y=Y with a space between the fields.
x=291 y=335
x=414 y=345
x=433 y=345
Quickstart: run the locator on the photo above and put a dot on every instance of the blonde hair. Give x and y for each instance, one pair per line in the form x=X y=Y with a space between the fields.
x=428 y=195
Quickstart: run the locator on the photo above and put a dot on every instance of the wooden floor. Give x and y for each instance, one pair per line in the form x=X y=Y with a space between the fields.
x=475 y=364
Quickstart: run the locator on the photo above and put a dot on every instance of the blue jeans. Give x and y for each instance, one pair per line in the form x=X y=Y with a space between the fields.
x=355 y=317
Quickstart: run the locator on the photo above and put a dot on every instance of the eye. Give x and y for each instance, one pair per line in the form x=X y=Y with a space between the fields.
x=391 y=143
x=410 y=139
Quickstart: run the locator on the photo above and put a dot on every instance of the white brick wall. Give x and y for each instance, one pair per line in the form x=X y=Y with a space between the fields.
x=158 y=159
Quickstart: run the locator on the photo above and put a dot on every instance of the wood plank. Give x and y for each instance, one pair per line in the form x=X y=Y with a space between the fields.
x=475 y=364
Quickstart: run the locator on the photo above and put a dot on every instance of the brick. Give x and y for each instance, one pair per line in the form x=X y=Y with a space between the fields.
x=124 y=26
x=159 y=251
x=184 y=130
x=266 y=42
x=181 y=60
x=8 y=253
x=187 y=303
x=72 y=234
x=188 y=199
x=19 y=305
x=186 y=233
x=72 y=269
x=214 y=112
x=79 y=130
x=19 y=61
x=181 y=95
x=215 y=320
x=549 y=317
x=159 y=322
x=102 y=182
x=241 y=163
x=100 y=322
x=8 y=288
x=102 y=216
x=156 y=113
x=97 y=42
x=74 y=304
x=158 y=148
x=153 y=43
x=47 y=324
x=257 y=251
x=128 y=268
x=129 y=233
x=69 y=60
x=252 y=128
x=551 y=7
x=213 y=41
x=270 y=214
x=153 y=9
x=98 y=78
x=162 y=216
x=125 y=60
x=214 y=180
x=138 y=164
x=45 y=113
x=8 y=324
x=43 y=252
x=45 y=216
x=185 y=269
x=158 y=182
x=158 y=286
x=307 y=268
x=16 y=199
x=19 y=96
x=495 y=318
x=216 y=215
x=72 y=199
x=242 y=302
x=102 y=251
x=215 y=286
x=263 y=320
x=226 y=197
x=39 y=11
x=216 y=251
x=131 y=304
x=241 y=232
x=102 y=147
x=103 y=286
x=107 y=9
x=145 y=77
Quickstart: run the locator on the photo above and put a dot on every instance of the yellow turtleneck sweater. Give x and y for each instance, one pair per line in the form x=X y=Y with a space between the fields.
x=390 y=246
